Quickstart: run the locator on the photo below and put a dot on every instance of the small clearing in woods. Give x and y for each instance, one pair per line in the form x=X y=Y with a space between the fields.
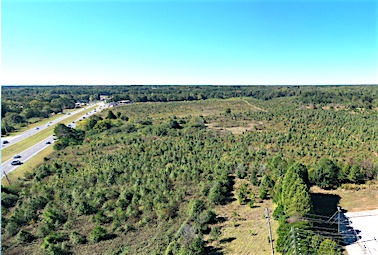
x=244 y=229
x=358 y=198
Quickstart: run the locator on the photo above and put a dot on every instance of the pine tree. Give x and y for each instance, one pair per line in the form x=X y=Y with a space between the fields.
x=111 y=115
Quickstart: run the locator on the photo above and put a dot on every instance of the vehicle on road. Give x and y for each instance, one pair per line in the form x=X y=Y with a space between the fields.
x=37 y=128
x=48 y=142
x=16 y=162
x=5 y=142
x=17 y=156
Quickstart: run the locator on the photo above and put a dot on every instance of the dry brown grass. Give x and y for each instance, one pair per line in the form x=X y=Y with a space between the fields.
x=185 y=108
x=247 y=126
x=245 y=229
x=355 y=200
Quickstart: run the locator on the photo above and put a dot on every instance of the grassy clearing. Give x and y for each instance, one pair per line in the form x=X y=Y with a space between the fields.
x=28 y=166
x=245 y=229
x=359 y=198
x=184 y=108
x=19 y=147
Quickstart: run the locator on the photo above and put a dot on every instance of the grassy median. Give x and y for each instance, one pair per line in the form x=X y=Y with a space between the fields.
x=28 y=167
x=38 y=123
x=9 y=152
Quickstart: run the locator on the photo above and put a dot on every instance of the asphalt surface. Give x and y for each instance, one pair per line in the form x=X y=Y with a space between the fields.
x=26 y=155
x=30 y=152
x=15 y=139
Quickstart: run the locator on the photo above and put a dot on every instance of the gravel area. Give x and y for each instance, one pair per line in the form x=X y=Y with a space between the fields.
x=364 y=225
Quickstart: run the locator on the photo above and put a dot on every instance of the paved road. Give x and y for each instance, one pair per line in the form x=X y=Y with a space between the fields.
x=29 y=153
x=26 y=155
x=15 y=139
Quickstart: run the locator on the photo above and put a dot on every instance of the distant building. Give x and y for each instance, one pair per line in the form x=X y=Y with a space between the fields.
x=119 y=103
x=104 y=97
x=79 y=104
x=112 y=104
x=123 y=102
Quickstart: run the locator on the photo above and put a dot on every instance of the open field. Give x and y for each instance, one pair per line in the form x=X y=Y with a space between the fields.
x=363 y=199
x=245 y=229
x=12 y=150
x=185 y=108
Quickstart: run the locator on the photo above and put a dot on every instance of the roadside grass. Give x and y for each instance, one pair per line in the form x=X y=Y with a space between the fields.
x=9 y=152
x=244 y=229
x=361 y=197
x=19 y=172
x=38 y=123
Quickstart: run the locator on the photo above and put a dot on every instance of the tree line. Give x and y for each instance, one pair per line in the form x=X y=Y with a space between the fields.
x=23 y=104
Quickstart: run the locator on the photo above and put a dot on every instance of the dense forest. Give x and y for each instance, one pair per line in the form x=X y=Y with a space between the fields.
x=148 y=178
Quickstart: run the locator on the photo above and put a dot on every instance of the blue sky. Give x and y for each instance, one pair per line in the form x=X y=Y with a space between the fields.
x=189 y=42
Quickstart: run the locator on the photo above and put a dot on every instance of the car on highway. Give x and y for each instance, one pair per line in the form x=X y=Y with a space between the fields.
x=48 y=142
x=16 y=162
x=5 y=142
x=37 y=128
x=17 y=156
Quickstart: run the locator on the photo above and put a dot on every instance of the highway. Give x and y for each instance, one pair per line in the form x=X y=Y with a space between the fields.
x=26 y=155
x=30 y=152
x=15 y=139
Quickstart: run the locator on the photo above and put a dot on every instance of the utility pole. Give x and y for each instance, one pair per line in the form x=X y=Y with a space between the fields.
x=6 y=176
x=5 y=127
x=338 y=219
x=295 y=240
x=267 y=216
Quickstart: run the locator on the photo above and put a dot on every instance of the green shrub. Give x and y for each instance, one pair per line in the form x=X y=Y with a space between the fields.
x=24 y=236
x=77 y=238
x=53 y=238
x=215 y=233
x=195 y=208
x=98 y=234
x=8 y=200
x=11 y=228
x=328 y=247
x=124 y=250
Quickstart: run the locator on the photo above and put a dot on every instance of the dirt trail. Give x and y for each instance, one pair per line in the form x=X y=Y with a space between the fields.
x=258 y=108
